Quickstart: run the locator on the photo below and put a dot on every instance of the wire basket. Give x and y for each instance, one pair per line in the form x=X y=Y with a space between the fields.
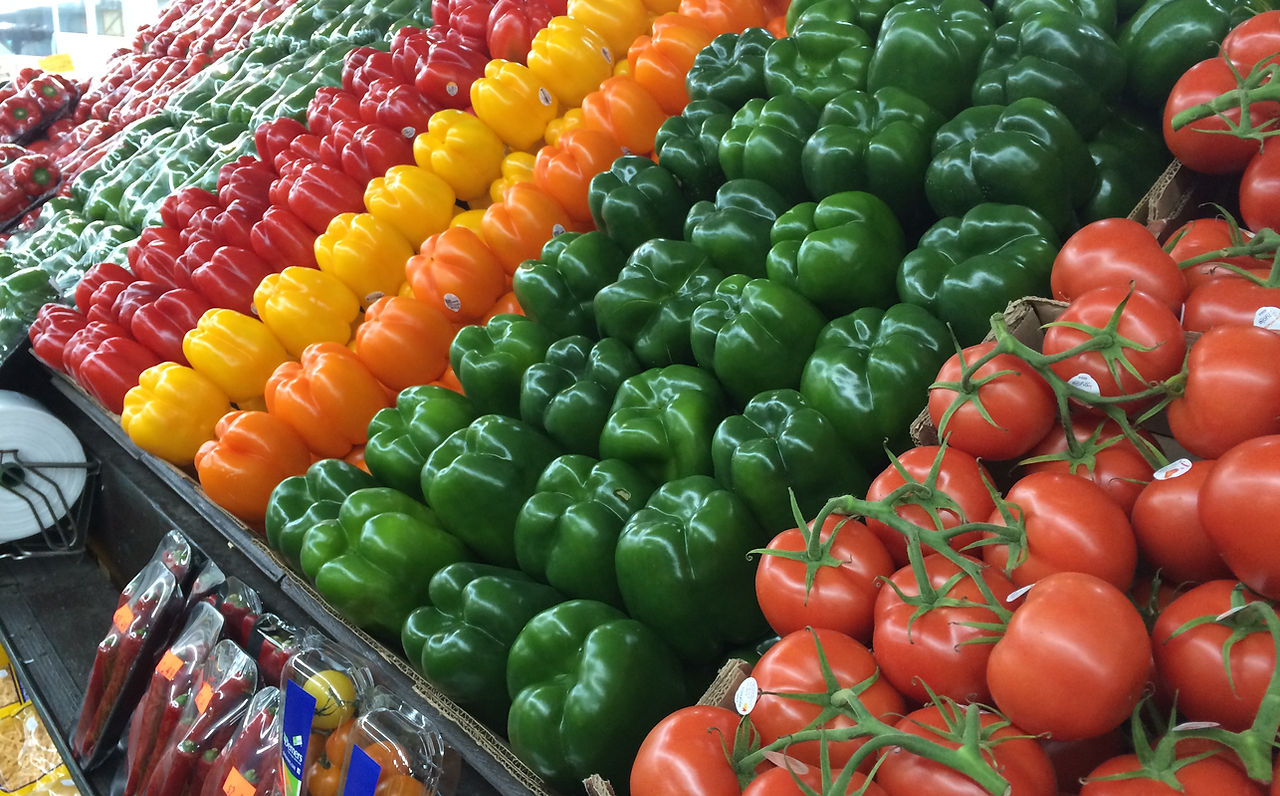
x=33 y=484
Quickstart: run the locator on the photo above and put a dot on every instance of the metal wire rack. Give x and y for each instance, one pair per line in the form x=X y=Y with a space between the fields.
x=33 y=483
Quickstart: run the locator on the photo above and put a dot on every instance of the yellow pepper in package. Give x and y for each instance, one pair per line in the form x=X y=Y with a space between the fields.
x=366 y=254
x=303 y=305
x=416 y=201
x=516 y=167
x=571 y=59
x=172 y=411
x=514 y=102
x=462 y=150
x=236 y=352
x=619 y=22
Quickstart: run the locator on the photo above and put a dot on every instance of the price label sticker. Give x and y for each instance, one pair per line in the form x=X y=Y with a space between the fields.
x=451 y=88
x=1085 y=382
x=1172 y=470
x=1267 y=318
x=544 y=96
x=557 y=229
x=203 y=696
x=745 y=698
x=169 y=666
x=236 y=785
x=123 y=617
x=452 y=302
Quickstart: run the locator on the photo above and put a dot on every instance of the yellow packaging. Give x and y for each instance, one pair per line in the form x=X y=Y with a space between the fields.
x=29 y=760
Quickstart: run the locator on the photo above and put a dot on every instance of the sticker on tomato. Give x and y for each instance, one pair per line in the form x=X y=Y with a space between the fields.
x=1267 y=318
x=1085 y=383
x=1172 y=470
x=745 y=698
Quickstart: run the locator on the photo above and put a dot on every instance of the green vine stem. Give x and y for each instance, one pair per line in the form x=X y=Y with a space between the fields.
x=1256 y=86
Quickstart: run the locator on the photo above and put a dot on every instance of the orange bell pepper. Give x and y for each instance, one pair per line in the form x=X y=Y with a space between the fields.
x=236 y=352
x=777 y=26
x=571 y=59
x=660 y=62
x=416 y=201
x=302 y=306
x=404 y=341
x=516 y=228
x=356 y=458
x=622 y=108
x=329 y=397
x=619 y=22
x=462 y=150
x=659 y=7
x=506 y=305
x=564 y=171
x=514 y=102
x=457 y=275
x=725 y=16
x=250 y=454
x=449 y=381
x=516 y=167
x=562 y=124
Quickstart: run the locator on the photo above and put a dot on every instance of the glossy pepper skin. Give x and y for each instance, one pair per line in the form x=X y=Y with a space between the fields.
x=623 y=109
x=236 y=351
x=516 y=167
x=162 y=324
x=173 y=411
x=571 y=675
x=489 y=360
x=841 y=253
x=932 y=50
x=1129 y=154
x=404 y=342
x=514 y=103
x=651 y=303
x=249 y=454
x=564 y=170
x=1024 y=153
x=660 y=61
x=1056 y=56
x=413 y=200
x=635 y=200
x=401 y=437
x=365 y=253
x=824 y=56
x=879 y=143
x=866 y=15
x=683 y=571
x=460 y=641
x=662 y=421
x=558 y=290
x=1102 y=13
x=966 y=268
x=567 y=532
x=688 y=146
x=52 y=328
x=462 y=150
x=734 y=229
x=755 y=335
x=299 y=502
x=571 y=59
x=374 y=562
x=302 y=306
x=570 y=392
x=516 y=228
x=106 y=362
x=731 y=68
x=869 y=374
x=765 y=143
x=480 y=476
x=457 y=274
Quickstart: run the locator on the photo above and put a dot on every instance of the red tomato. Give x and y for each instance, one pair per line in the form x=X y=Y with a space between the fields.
x=1145 y=322
x=1255 y=40
x=781 y=782
x=1166 y=523
x=1232 y=392
x=1073 y=760
x=791 y=667
x=685 y=753
x=960 y=489
x=1227 y=302
x=1071 y=526
x=842 y=596
x=1190 y=665
x=1020 y=406
x=1239 y=503
x=1107 y=457
x=1258 y=186
x=1209 y=152
x=1203 y=235
x=1117 y=252
x=1018 y=758
x=1074 y=660
x=1208 y=777
x=937 y=647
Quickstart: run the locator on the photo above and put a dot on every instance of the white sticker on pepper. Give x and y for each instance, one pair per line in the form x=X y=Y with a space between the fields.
x=452 y=302
x=745 y=698
x=1267 y=318
x=1172 y=470
x=1085 y=382
x=544 y=96
x=451 y=88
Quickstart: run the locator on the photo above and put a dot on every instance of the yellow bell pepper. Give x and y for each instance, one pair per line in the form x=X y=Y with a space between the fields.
x=303 y=305
x=562 y=124
x=461 y=150
x=416 y=201
x=235 y=352
x=514 y=102
x=470 y=218
x=516 y=167
x=659 y=7
x=572 y=59
x=172 y=411
x=366 y=254
x=618 y=21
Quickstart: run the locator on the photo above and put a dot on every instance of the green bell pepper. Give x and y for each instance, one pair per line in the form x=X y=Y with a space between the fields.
x=375 y=560
x=688 y=146
x=460 y=641
x=778 y=446
x=765 y=143
x=683 y=568
x=1130 y=154
x=1098 y=12
x=841 y=253
x=637 y=200
x=866 y=14
x=23 y=292
x=568 y=394
x=931 y=48
x=1056 y=56
x=478 y=479
x=731 y=68
x=1025 y=153
x=662 y=422
x=966 y=268
x=490 y=360
x=1165 y=38
x=402 y=437
x=734 y=230
x=825 y=55
x=301 y=501
x=651 y=304
x=586 y=684
x=870 y=375
x=755 y=335
x=559 y=290
x=568 y=530
x=879 y=143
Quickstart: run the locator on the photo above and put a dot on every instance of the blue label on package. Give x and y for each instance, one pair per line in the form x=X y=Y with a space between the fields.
x=362 y=774
x=299 y=712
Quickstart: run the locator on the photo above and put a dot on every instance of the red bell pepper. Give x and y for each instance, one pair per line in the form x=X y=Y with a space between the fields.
x=339 y=136
x=162 y=324
x=11 y=152
x=134 y=297
x=362 y=66
x=320 y=192
x=513 y=23
x=52 y=328
x=374 y=96
x=52 y=93
x=230 y=277
x=234 y=225
x=409 y=52
x=102 y=302
x=201 y=225
x=330 y=106
x=20 y=114
x=283 y=239
x=406 y=109
x=273 y=137
x=107 y=362
x=157 y=260
x=470 y=18
x=247 y=181
x=451 y=67
x=402 y=35
x=354 y=59
x=35 y=175
x=96 y=275
x=197 y=253
x=307 y=148
x=278 y=193
x=373 y=150
x=178 y=208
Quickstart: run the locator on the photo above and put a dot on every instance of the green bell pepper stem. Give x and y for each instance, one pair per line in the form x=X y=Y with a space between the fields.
x=402 y=437
x=731 y=68
x=558 y=291
x=490 y=360
x=636 y=200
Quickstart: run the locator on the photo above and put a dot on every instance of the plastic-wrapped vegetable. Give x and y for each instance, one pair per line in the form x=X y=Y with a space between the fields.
x=250 y=761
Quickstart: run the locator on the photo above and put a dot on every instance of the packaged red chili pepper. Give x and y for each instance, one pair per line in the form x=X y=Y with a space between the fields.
x=176 y=554
x=171 y=679
x=272 y=642
x=393 y=748
x=240 y=606
x=249 y=763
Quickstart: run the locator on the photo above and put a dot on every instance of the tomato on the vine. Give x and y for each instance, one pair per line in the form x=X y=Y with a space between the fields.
x=1232 y=392
x=781 y=782
x=1107 y=457
x=1254 y=41
x=1116 y=252
x=1239 y=503
x=1166 y=523
x=1020 y=407
x=1211 y=776
x=1258 y=186
x=685 y=753
x=1201 y=145
x=1227 y=302
x=1074 y=659
x=1204 y=235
